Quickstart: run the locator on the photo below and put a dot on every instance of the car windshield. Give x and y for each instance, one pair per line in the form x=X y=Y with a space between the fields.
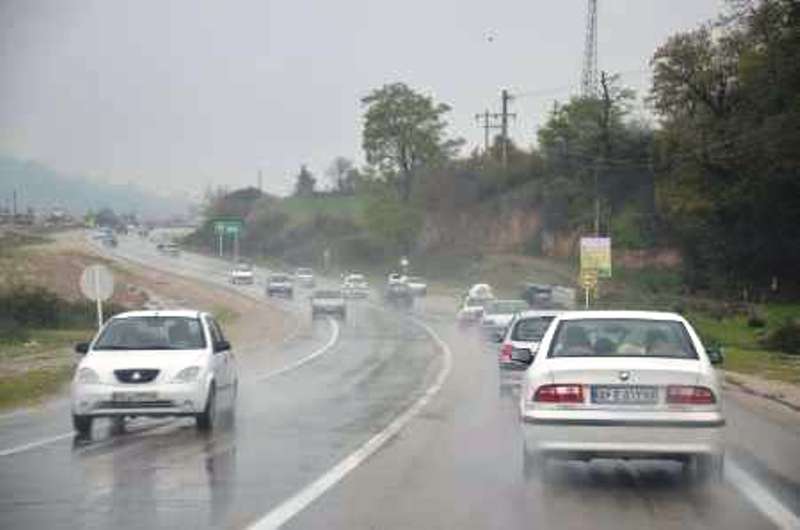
x=476 y=302
x=152 y=333
x=506 y=307
x=304 y=272
x=415 y=279
x=279 y=278
x=327 y=294
x=531 y=329
x=244 y=267
x=355 y=278
x=622 y=338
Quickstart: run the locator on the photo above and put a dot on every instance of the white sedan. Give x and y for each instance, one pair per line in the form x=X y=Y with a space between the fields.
x=623 y=384
x=154 y=363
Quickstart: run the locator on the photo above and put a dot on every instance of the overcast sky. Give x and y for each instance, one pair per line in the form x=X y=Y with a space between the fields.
x=180 y=95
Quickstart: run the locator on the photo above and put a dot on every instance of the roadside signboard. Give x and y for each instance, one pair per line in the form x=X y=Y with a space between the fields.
x=596 y=256
x=97 y=283
x=228 y=226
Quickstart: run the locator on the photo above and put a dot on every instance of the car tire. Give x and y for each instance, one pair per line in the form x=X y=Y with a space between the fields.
x=534 y=464
x=206 y=419
x=82 y=425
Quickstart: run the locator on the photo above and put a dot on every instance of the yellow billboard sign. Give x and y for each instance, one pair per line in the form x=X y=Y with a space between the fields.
x=596 y=255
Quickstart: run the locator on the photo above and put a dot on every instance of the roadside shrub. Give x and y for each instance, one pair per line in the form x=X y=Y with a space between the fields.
x=785 y=338
x=755 y=319
x=36 y=307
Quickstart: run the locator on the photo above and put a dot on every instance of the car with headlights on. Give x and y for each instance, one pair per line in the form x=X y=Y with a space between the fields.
x=154 y=363
x=242 y=274
x=304 y=277
x=355 y=285
x=279 y=284
x=519 y=345
x=623 y=385
x=498 y=314
x=328 y=302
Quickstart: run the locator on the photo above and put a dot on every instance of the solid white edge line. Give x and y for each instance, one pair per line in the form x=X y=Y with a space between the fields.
x=762 y=499
x=300 y=362
x=292 y=506
x=33 y=445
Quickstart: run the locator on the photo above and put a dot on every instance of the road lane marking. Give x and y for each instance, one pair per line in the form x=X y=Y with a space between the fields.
x=762 y=499
x=33 y=445
x=292 y=506
x=308 y=358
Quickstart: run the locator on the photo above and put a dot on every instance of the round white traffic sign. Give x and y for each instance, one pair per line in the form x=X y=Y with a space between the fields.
x=97 y=283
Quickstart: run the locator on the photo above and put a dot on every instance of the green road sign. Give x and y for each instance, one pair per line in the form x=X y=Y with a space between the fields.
x=230 y=227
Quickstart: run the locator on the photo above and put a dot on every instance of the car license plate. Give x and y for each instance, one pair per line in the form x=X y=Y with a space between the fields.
x=624 y=395
x=133 y=397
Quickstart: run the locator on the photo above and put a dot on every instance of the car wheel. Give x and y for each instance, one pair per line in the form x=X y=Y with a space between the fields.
x=82 y=425
x=206 y=419
x=533 y=463
x=709 y=468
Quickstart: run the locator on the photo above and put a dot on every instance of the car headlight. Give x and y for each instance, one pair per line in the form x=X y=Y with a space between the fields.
x=187 y=375
x=87 y=376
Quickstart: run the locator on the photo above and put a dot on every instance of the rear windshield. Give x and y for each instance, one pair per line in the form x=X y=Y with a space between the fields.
x=152 y=333
x=506 y=307
x=279 y=278
x=622 y=338
x=531 y=329
x=476 y=302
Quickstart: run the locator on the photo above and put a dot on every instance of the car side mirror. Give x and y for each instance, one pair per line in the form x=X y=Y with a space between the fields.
x=82 y=348
x=221 y=346
x=716 y=354
x=522 y=355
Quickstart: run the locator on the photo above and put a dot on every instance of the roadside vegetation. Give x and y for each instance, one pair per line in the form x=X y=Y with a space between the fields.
x=701 y=206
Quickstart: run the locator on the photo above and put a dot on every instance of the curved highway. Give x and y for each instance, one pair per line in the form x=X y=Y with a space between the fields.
x=386 y=421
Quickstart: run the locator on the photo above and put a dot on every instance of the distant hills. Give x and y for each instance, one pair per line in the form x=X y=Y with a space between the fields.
x=43 y=188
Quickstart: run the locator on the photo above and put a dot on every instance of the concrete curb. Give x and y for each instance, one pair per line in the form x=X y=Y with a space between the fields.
x=732 y=378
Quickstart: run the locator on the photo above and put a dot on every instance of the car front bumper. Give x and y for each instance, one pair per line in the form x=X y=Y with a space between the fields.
x=166 y=399
x=587 y=436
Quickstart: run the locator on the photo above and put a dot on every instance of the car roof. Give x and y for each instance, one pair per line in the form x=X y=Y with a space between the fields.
x=609 y=314
x=539 y=313
x=187 y=313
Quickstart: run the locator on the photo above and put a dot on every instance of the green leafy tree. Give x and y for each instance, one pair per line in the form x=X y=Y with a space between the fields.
x=392 y=223
x=403 y=132
x=305 y=184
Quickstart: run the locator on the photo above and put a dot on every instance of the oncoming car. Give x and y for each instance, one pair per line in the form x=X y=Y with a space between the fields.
x=471 y=310
x=280 y=284
x=154 y=363
x=242 y=274
x=623 y=384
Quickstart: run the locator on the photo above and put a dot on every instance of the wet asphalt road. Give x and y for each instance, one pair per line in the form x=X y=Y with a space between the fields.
x=456 y=465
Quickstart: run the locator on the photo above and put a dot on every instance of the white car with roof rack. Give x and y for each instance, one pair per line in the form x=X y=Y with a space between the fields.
x=623 y=384
x=154 y=363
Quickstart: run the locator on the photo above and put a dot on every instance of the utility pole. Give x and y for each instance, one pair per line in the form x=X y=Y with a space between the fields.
x=484 y=121
x=14 y=203
x=589 y=70
x=505 y=98
x=488 y=120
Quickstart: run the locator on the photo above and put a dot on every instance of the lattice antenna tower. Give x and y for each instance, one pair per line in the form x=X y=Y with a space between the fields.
x=589 y=72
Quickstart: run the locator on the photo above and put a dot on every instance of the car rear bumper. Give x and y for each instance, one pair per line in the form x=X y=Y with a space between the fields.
x=587 y=437
x=179 y=399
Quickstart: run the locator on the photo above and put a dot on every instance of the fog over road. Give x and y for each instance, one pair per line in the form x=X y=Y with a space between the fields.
x=455 y=464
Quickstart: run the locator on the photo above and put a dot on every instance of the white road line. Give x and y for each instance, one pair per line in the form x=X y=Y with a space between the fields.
x=300 y=362
x=289 y=508
x=766 y=503
x=33 y=445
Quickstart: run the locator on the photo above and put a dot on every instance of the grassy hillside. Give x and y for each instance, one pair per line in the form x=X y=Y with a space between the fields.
x=303 y=209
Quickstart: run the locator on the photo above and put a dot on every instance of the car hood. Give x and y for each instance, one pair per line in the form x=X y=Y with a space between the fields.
x=168 y=361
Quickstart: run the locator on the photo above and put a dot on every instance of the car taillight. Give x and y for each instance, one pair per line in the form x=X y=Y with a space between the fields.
x=559 y=394
x=690 y=395
x=505 y=352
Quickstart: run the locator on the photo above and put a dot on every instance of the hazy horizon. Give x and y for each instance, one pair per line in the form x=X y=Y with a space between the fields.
x=182 y=95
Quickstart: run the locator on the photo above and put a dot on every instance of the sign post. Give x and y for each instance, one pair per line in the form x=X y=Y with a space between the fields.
x=595 y=263
x=97 y=283
x=231 y=227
